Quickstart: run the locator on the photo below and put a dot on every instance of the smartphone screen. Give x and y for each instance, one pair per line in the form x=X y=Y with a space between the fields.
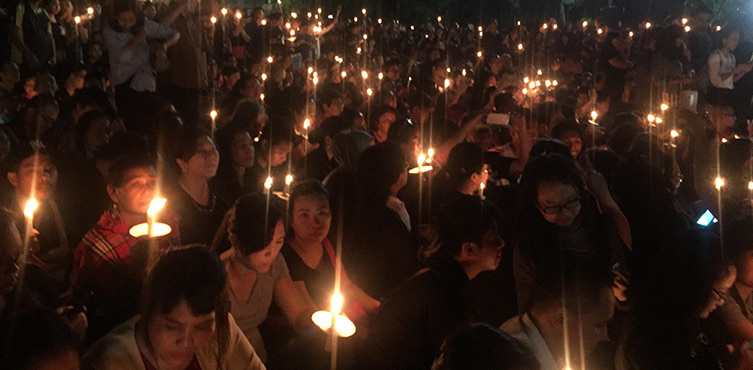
x=706 y=219
x=499 y=119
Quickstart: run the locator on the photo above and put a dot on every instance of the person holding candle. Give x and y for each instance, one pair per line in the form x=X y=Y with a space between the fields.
x=379 y=248
x=416 y=317
x=108 y=262
x=200 y=206
x=321 y=161
x=257 y=272
x=184 y=321
x=310 y=255
x=273 y=149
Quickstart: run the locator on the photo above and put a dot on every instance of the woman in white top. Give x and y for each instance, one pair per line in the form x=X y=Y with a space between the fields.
x=723 y=69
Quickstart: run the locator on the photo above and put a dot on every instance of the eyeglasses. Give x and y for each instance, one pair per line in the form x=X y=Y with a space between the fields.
x=553 y=210
x=722 y=296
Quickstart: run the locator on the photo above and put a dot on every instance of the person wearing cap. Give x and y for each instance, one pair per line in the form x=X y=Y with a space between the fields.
x=321 y=161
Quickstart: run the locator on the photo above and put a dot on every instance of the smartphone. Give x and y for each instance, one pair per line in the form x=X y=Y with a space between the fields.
x=296 y=60
x=706 y=219
x=498 y=119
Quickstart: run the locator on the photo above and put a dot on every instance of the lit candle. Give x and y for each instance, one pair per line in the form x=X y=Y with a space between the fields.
x=267 y=185
x=520 y=47
x=363 y=11
x=555 y=83
x=364 y=74
x=213 y=115
x=718 y=28
x=585 y=24
x=674 y=134
x=263 y=76
x=343 y=74
x=684 y=21
x=238 y=15
x=687 y=28
x=380 y=76
x=648 y=25
x=90 y=10
x=151 y=214
x=213 y=19
x=539 y=72
x=77 y=19
x=223 y=11
x=439 y=18
x=651 y=118
x=288 y=181
x=333 y=319
x=481 y=188
x=600 y=31
x=29 y=209
x=270 y=59
x=379 y=20
x=294 y=15
x=750 y=185
x=446 y=83
x=719 y=183
x=430 y=152
x=369 y=92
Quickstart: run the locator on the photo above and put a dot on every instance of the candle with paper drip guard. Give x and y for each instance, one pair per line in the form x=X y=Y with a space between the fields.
x=151 y=228
x=326 y=320
x=421 y=166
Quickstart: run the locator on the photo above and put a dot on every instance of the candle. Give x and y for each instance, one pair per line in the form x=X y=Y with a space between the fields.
x=294 y=15
x=719 y=183
x=267 y=185
x=750 y=185
x=430 y=152
x=213 y=19
x=238 y=15
x=684 y=21
x=333 y=319
x=363 y=11
x=263 y=76
x=379 y=20
x=369 y=92
x=213 y=115
x=687 y=28
x=270 y=59
x=651 y=118
x=223 y=11
x=648 y=25
x=674 y=133
x=439 y=18
x=77 y=19
x=585 y=24
x=380 y=76
x=481 y=188
x=364 y=74
x=599 y=31
x=29 y=209
x=718 y=28
x=151 y=214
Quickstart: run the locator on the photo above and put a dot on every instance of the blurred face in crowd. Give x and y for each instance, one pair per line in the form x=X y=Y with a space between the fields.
x=311 y=218
x=573 y=141
x=719 y=293
x=731 y=41
x=97 y=135
x=10 y=76
x=150 y=11
x=44 y=118
x=262 y=260
x=53 y=7
x=279 y=153
x=204 y=162
x=242 y=150
x=29 y=91
x=9 y=255
x=176 y=336
x=385 y=122
x=723 y=118
x=137 y=191
x=231 y=79
x=252 y=90
x=393 y=73
x=126 y=20
x=701 y=22
x=35 y=174
x=558 y=203
x=335 y=108
x=489 y=253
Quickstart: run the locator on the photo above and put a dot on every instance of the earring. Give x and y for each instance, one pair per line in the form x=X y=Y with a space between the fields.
x=184 y=169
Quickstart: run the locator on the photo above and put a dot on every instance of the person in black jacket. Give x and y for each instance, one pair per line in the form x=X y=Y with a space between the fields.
x=413 y=321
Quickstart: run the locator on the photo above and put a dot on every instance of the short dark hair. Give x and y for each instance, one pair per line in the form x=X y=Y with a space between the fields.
x=560 y=129
x=464 y=160
x=116 y=173
x=484 y=347
x=186 y=139
x=327 y=96
x=194 y=275
x=464 y=219
x=253 y=220
x=306 y=188
x=378 y=168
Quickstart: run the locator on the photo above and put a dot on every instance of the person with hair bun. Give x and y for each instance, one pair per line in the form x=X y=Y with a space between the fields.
x=184 y=322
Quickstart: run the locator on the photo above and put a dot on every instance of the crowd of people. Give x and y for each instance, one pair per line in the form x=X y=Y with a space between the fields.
x=547 y=195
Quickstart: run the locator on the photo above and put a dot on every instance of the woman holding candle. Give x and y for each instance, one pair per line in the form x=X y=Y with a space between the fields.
x=108 y=268
x=257 y=272
x=194 y=198
x=310 y=255
x=184 y=322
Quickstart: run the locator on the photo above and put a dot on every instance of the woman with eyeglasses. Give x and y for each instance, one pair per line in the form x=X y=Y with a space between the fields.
x=560 y=217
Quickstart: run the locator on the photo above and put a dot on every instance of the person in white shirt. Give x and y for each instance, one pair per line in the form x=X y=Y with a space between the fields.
x=568 y=315
x=723 y=68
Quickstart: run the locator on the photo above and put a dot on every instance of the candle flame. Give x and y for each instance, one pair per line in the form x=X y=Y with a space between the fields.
x=674 y=133
x=648 y=25
x=294 y=15
x=421 y=159
x=687 y=28
x=268 y=183
x=223 y=11
x=684 y=21
x=261 y=96
x=659 y=120
x=288 y=179
x=213 y=19
x=539 y=72
x=270 y=59
x=526 y=79
x=337 y=303
x=548 y=83
x=446 y=83
x=363 y=11
x=306 y=123
x=594 y=115
x=364 y=74
x=719 y=183
x=479 y=54
x=77 y=19
x=599 y=31
x=664 y=107
x=651 y=118
x=263 y=76
x=585 y=24
x=724 y=140
x=718 y=28
x=380 y=75
x=238 y=15
x=90 y=10
x=750 y=185
x=430 y=152
x=520 y=46
x=555 y=83
x=155 y=206
x=31 y=206
x=369 y=92
x=311 y=69
x=379 y=20
x=213 y=114
x=344 y=74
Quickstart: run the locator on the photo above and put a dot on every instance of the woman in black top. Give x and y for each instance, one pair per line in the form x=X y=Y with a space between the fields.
x=311 y=256
x=200 y=207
